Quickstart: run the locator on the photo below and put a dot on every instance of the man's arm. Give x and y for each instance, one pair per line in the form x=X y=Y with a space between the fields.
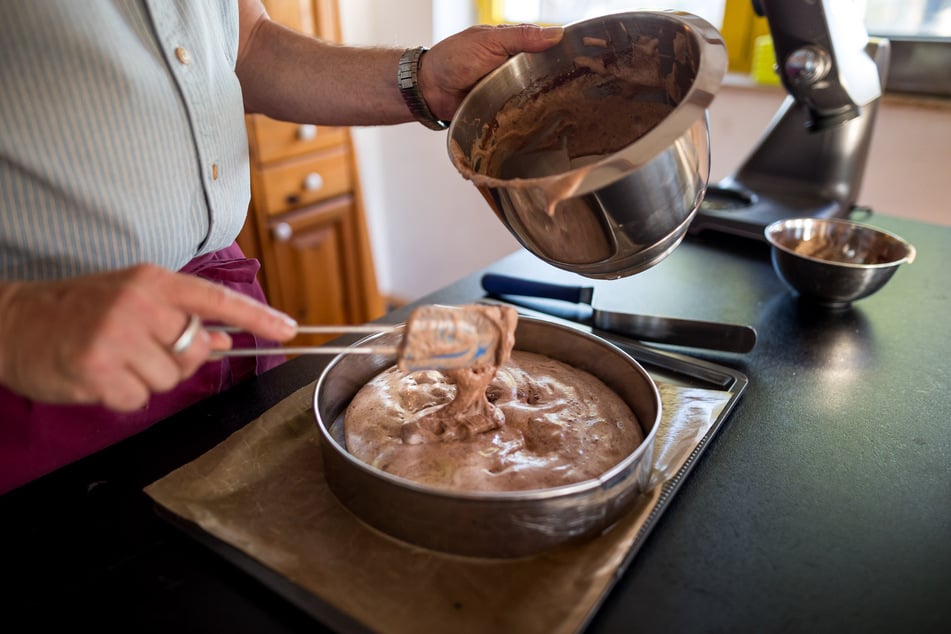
x=293 y=77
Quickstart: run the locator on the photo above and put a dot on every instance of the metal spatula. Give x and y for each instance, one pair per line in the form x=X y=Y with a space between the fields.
x=651 y=328
x=435 y=337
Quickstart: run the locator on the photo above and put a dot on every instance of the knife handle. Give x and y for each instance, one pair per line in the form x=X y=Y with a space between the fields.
x=496 y=284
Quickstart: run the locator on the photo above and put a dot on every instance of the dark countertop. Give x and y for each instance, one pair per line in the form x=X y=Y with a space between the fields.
x=823 y=505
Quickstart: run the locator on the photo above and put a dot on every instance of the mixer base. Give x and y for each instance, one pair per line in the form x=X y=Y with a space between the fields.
x=746 y=213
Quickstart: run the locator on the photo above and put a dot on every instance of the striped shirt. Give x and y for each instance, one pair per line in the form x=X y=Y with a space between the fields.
x=122 y=135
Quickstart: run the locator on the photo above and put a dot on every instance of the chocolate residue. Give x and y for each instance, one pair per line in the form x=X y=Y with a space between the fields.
x=570 y=121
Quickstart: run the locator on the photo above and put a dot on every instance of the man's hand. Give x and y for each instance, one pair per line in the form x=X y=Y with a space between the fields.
x=453 y=66
x=108 y=338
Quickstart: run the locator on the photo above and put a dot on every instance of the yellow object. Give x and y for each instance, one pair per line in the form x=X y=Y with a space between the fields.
x=763 y=69
x=490 y=11
x=740 y=27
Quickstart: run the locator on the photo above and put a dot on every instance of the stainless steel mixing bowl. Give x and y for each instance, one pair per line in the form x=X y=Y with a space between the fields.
x=626 y=206
x=834 y=262
x=503 y=524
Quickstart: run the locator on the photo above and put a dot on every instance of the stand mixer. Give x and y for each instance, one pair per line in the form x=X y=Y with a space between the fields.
x=811 y=159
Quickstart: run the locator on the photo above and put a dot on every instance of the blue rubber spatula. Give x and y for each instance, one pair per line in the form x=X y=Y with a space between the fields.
x=690 y=333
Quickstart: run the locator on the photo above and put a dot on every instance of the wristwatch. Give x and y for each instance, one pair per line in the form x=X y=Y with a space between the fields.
x=408 y=80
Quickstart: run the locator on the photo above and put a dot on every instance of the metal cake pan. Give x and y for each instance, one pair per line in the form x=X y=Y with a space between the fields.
x=506 y=524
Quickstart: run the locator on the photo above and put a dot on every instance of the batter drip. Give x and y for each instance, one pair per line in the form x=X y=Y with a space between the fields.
x=469 y=412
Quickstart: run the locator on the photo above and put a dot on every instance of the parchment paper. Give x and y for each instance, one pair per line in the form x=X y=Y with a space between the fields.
x=262 y=491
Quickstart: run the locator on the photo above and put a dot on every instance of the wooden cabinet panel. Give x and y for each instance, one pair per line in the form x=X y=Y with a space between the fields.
x=248 y=239
x=327 y=20
x=306 y=223
x=297 y=14
x=314 y=17
x=305 y=181
x=315 y=272
x=273 y=140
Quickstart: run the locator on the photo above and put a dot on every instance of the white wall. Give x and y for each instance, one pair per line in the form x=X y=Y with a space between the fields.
x=429 y=227
x=909 y=163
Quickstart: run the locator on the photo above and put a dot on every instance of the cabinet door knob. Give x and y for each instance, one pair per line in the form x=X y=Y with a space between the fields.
x=282 y=232
x=306 y=132
x=313 y=182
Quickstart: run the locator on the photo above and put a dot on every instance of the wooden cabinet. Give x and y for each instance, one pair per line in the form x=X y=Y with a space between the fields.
x=306 y=223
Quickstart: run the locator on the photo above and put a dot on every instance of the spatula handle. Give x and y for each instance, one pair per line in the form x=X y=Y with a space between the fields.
x=496 y=284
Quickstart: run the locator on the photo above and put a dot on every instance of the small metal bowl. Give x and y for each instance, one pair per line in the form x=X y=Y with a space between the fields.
x=503 y=524
x=834 y=262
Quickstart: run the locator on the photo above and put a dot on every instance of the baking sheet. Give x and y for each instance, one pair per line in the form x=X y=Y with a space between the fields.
x=259 y=500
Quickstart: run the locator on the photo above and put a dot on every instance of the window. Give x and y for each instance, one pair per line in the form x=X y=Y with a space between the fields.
x=919 y=31
x=564 y=11
x=915 y=18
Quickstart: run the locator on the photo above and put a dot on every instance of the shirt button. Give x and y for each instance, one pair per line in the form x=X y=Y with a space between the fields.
x=183 y=55
x=214 y=171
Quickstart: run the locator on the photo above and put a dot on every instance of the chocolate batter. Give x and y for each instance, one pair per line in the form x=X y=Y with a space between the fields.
x=560 y=123
x=540 y=423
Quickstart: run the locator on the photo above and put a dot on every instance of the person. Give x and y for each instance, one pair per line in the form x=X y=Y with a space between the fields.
x=124 y=181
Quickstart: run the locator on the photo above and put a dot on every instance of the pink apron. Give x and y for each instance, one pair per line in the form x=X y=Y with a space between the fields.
x=37 y=438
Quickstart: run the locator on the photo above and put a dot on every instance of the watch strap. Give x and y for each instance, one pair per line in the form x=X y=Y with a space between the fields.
x=408 y=81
